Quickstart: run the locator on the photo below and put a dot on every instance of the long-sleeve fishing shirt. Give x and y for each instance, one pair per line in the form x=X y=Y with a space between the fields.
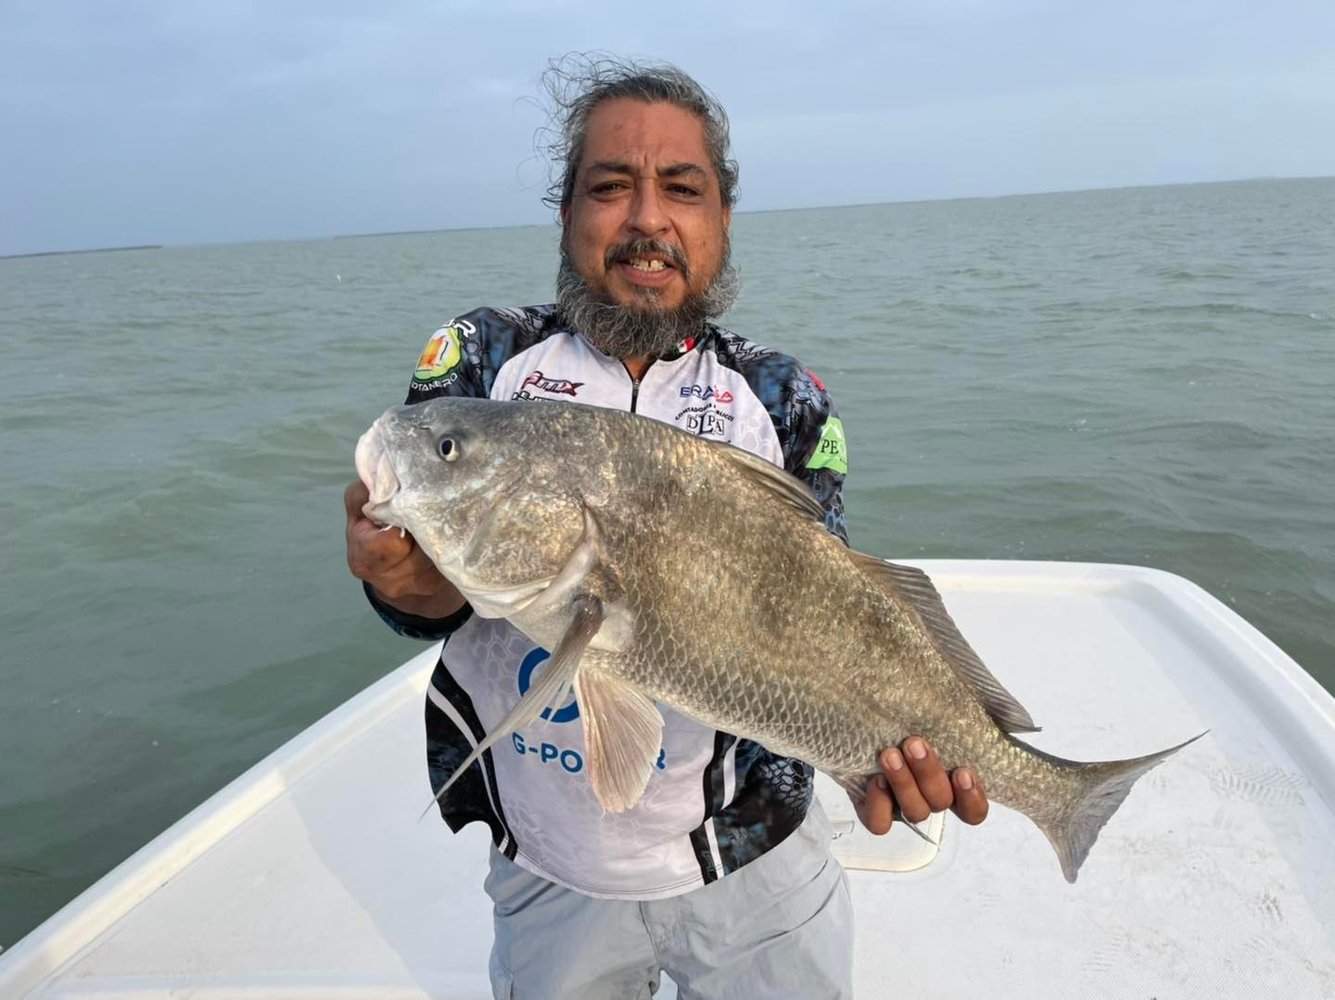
x=714 y=802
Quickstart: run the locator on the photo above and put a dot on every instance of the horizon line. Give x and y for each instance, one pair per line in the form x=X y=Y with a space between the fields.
x=754 y=211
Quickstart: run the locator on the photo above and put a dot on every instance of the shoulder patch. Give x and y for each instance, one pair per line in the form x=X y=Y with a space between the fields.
x=443 y=351
x=831 y=450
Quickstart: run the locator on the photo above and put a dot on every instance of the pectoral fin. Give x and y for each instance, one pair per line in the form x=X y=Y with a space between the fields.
x=549 y=689
x=623 y=734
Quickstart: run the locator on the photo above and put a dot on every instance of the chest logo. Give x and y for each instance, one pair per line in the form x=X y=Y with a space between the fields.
x=706 y=393
x=552 y=386
x=705 y=420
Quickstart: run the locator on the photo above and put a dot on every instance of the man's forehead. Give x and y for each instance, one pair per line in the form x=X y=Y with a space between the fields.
x=632 y=132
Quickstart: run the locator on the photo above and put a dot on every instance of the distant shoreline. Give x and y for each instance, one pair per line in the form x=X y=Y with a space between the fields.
x=62 y=253
x=430 y=230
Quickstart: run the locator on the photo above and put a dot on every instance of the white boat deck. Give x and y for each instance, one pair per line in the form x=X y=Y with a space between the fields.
x=311 y=876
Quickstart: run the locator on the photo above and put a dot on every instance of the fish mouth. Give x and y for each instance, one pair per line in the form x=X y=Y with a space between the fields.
x=375 y=470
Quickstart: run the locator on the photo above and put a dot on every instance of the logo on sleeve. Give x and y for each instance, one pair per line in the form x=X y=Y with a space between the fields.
x=831 y=450
x=443 y=352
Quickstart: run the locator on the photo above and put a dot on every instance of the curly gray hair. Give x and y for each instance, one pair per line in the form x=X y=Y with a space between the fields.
x=578 y=83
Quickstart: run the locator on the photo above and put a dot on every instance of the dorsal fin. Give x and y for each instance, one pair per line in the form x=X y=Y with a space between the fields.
x=913 y=587
x=786 y=487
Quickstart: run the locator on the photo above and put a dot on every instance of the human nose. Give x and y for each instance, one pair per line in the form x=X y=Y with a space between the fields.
x=647 y=214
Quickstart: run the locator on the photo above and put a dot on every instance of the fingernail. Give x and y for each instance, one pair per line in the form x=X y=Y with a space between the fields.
x=964 y=779
x=893 y=759
x=917 y=749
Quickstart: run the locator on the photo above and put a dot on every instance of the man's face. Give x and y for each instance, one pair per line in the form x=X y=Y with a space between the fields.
x=645 y=175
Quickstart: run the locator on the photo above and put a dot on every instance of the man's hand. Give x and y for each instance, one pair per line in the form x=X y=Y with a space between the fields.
x=393 y=564
x=912 y=776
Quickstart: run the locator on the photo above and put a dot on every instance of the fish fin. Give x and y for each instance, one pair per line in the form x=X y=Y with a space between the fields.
x=854 y=785
x=1097 y=791
x=775 y=481
x=623 y=735
x=914 y=587
x=549 y=688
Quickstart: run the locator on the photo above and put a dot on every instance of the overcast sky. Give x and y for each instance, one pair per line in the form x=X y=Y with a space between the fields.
x=170 y=121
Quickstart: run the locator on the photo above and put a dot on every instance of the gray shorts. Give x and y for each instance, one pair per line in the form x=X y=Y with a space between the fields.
x=781 y=927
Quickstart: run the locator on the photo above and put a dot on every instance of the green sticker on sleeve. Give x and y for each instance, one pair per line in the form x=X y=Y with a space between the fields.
x=443 y=352
x=831 y=451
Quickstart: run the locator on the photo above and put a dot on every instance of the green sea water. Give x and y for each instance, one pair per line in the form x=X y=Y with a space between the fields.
x=1133 y=376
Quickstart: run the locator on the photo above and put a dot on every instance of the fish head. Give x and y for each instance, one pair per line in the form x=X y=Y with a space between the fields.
x=483 y=491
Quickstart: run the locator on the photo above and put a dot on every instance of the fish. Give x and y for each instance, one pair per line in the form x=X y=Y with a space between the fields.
x=659 y=567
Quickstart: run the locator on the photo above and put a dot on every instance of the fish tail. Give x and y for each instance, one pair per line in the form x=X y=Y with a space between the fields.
x=1096 y=790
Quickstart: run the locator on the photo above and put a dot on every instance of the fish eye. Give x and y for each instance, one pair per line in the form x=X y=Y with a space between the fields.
x=448 y=448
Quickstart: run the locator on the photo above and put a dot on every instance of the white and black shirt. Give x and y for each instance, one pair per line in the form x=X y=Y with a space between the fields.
x=715 y=802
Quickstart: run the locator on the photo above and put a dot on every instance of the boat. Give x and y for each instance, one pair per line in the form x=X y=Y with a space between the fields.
x=312 y=876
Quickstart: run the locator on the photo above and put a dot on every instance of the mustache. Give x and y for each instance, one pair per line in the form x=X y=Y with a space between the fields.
x=624 y=253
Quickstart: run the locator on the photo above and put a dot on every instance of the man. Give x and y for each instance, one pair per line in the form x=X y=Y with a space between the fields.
x=722 y=873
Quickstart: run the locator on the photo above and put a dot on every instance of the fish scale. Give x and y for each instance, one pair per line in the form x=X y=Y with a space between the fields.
x=661 y=567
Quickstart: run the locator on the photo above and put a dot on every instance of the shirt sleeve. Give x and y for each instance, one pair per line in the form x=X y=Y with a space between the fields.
x=453 y=361
x=814 y=447
x=465 y=355
x=451 y=364
x=810 y=433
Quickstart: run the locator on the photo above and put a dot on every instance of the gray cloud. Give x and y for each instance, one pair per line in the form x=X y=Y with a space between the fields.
x=168 y=122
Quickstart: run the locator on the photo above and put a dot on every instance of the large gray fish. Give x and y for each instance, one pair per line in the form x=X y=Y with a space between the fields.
x=660 y=567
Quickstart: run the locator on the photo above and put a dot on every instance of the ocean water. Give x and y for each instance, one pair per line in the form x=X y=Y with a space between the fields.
x=1135 y=376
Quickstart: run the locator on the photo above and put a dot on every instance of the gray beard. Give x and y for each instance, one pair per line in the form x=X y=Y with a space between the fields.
x=641 y=331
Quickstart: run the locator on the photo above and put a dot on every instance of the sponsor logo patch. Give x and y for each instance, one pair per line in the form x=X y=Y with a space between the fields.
x=570 y=760
x=706 y=392
x=555 y=386
x=831 y=450
x=704 y=420
x=443 y=352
